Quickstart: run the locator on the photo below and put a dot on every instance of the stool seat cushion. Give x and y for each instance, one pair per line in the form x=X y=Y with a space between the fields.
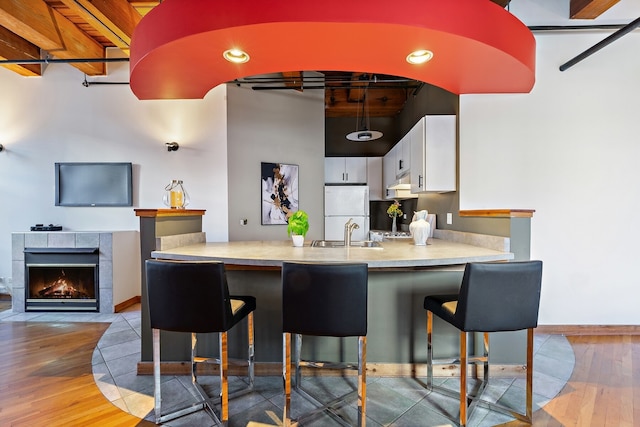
x=241 y=306
x=443 y=306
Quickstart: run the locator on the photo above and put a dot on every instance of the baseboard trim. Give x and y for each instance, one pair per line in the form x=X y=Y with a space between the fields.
x=126 y=304
x=408 y=370
x=578 y=330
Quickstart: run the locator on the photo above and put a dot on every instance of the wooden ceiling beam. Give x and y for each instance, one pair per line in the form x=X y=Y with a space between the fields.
x=31 y=20
x=381 y=102
x=502 y=3
x=114 y=19
x=143 y=7
x=36 y=22
x=589 y=9
x=12 y=47
x=293 y=80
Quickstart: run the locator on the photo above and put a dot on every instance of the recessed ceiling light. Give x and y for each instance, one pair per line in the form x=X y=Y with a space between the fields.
x=236 y=56
x=419 y=56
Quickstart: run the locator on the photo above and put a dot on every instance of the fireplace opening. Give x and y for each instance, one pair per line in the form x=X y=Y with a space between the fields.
x=61 y=279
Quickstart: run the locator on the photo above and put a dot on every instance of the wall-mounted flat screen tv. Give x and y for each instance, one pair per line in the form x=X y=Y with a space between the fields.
x=94 y=184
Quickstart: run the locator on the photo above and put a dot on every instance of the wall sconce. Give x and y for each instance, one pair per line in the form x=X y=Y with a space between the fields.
x=172 y=146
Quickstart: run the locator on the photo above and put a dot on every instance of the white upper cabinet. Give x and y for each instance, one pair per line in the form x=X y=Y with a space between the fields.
x=388 y=172
x=433 y=154
x=345 y=170
x=374 y=178
x=403 y=156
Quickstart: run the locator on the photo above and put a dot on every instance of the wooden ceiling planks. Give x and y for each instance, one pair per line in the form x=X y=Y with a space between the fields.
x=589 y=9
x=113 y=20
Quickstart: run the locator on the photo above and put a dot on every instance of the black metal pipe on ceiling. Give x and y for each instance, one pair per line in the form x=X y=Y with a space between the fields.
x=60 y=60
x=410 y=86
x=88 y=83
x=587 y=27
x=596 y=47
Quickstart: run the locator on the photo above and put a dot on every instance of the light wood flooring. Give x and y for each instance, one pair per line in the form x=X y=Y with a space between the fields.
x=46 y=377
x=46 y=380
x=604 y=389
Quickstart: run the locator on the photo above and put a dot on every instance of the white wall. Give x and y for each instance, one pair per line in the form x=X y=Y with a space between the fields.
x=54 y=118
x=569 y=150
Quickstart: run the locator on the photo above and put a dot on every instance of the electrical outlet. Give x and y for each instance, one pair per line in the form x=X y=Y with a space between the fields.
x=449 y=218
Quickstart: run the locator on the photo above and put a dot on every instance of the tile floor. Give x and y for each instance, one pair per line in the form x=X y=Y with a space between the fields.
x=390 y=401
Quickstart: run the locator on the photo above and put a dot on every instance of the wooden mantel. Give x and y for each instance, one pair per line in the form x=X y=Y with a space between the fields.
x=499 y=213
x=154 y=213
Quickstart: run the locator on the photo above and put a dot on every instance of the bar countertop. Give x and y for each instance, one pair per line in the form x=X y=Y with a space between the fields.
x=392 y=254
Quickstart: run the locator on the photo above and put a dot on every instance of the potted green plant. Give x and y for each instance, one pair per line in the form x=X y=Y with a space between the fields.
x=298 y=226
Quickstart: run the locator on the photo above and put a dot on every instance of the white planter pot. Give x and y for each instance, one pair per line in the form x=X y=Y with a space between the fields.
x=298 y=240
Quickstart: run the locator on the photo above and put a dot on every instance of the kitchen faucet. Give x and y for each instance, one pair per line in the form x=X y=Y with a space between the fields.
x=348 y=229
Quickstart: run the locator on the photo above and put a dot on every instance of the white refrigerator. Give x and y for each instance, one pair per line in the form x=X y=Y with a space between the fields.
x=342 y=202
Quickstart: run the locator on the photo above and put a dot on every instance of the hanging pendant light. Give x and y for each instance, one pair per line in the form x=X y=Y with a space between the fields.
x=363 y=132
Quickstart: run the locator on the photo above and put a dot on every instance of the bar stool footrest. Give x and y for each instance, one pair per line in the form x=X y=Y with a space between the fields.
x=476 y=400
x=329 y=407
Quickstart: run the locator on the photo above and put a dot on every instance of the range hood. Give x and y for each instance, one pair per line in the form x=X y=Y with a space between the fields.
x=401 y=188
x=401 y=183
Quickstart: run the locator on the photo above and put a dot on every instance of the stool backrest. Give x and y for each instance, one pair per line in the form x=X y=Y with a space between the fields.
x=187 y=296
x=324 y=299
x=499 y=296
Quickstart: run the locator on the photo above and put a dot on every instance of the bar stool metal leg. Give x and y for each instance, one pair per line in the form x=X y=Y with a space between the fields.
x=529 y=403
x=429 y=350
x=251 y=359
x=194 y=375
x=362 y=381
x=486 y=357
x=298 y=354
x=468 y=402
x=224 y=380
x=463 y=379
x=157 y=396
x=286 y=376
x=157 y=392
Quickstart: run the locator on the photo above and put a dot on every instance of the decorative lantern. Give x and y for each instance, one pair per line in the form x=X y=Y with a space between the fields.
x=175 y=196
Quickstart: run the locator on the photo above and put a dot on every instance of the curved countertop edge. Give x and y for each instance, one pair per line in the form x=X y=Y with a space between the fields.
x=393 y=254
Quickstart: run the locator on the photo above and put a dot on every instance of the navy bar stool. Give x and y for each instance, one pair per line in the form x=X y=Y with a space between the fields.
x=323 y=300
x=493 y=297
x=193 y=297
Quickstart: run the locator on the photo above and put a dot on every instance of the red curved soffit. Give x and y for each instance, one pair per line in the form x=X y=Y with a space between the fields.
x=176 y=51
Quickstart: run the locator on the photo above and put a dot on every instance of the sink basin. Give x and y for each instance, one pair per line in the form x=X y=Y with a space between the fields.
x=340 y=244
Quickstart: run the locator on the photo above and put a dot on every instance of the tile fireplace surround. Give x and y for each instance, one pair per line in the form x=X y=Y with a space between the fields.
x=119 y=262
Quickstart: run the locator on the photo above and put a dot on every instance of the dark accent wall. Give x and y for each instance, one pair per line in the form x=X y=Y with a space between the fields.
x=380 y=220
x=428 y=100
x=337 y=144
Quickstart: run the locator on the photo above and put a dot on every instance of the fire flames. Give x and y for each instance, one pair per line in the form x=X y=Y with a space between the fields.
x=61 y=288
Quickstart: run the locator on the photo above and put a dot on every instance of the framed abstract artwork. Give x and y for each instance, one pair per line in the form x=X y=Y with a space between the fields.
x=279 y=192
